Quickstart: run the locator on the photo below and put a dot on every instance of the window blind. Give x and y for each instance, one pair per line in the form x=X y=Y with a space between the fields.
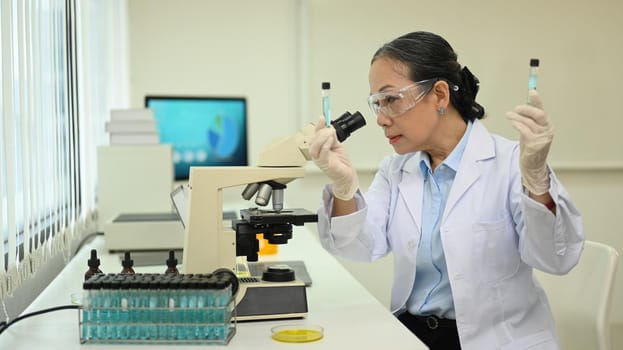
x=55 y=95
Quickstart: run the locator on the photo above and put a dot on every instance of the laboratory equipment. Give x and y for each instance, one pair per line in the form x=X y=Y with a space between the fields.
x=534 y=73
x=127 y=263
x=326 y=103
x=533 y=76
x=295 y=333
x=172 y=264
x=94 y=265
x=158 y=308
x=209 y=244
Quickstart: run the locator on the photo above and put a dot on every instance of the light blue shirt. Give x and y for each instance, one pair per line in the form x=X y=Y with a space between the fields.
x=431 y=293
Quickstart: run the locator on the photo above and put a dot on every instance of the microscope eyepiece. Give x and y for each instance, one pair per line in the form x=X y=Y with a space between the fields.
x=348 y=123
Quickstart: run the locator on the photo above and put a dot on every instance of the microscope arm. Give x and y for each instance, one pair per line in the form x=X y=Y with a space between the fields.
x=207 y=245
x=290 y=151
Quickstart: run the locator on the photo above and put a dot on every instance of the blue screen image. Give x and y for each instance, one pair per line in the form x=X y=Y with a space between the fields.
x=203 y=131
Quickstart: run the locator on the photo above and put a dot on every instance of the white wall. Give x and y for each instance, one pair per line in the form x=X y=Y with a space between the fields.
x=222 y=48
x=276 y=52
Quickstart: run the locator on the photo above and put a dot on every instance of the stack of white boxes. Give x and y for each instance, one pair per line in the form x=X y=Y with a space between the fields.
x=133 y=127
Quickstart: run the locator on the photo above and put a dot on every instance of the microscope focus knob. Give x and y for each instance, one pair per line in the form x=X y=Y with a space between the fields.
x=278 y=273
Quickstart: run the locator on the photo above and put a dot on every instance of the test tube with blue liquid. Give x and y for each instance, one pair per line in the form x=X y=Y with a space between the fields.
x=182 y=316
x=124 y=314
x=171 y=317
x=105 y=312
x=534 y=74
x=326 y=105
x=114 y=296
x=192 y=312
x=95 y=302
x=87 y=312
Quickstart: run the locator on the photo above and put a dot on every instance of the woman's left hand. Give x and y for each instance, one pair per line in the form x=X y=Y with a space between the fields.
x=535 y=137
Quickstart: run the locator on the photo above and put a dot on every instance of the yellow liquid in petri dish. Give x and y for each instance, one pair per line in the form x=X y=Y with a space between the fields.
x=292 y=334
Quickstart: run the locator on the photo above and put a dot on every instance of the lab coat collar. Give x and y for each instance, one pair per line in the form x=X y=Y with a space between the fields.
x=479 y=147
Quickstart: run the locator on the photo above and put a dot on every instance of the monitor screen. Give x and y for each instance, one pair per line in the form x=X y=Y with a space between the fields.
x=203 y=131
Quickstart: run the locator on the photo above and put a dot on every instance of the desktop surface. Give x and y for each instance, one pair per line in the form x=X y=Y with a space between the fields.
x=350 y=315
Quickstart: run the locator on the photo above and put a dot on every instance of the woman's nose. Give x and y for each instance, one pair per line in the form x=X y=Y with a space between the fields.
x=382 y=120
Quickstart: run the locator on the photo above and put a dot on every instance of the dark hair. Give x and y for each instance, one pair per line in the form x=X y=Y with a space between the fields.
x=429 y=56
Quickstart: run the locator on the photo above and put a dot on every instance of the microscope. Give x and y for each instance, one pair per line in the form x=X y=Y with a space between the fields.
x=210 y=246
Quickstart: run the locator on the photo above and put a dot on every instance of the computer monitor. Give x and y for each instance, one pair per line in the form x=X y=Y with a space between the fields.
x=203 y=130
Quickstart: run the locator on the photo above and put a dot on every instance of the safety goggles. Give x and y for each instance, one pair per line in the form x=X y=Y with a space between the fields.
x=394 y=103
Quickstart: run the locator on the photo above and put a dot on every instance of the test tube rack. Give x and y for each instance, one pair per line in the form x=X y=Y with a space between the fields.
x=157 y=309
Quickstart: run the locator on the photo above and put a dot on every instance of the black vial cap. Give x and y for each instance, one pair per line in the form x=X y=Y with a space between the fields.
x=94 y=261
x=326 y=85
x=534 y=62
x=127 y=262
x=171 y=261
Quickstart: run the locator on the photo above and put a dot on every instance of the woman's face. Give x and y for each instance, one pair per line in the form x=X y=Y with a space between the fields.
x=414 y=129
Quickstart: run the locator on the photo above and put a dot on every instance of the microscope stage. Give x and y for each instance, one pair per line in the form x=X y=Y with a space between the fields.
x=297 y=216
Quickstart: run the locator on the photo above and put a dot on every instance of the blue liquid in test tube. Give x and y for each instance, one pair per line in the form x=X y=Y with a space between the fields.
x=326 y=106
x=534 y=73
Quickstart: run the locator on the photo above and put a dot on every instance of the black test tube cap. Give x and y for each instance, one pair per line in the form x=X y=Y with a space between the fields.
x=94 y=261
x=127 y=262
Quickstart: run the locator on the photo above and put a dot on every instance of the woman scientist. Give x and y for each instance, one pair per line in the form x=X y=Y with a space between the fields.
x=467 y=214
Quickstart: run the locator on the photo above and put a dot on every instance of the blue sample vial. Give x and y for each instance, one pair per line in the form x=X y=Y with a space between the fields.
x=86 y=309
x=163 y=312
x=211 y=311
x=95 y=302
x=182 y=317
x=123 y=328
x=171 y=318
x=154 y=311
x=193 y=313
x=222 y=300
x=533 y=75
x=143 y=311
x=134 y=305
x=203 y=308
x=105 y=310
x=115 y=306
x=326 y=105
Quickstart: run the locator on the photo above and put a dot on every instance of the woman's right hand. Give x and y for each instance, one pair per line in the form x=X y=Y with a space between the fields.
x=331 y=157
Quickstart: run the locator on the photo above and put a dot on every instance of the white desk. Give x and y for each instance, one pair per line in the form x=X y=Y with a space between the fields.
x=352 y=318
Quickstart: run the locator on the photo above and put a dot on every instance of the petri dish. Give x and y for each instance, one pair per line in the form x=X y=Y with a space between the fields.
x=297 y=333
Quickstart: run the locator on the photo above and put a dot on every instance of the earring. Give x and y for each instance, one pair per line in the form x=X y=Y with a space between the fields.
x=441 y=110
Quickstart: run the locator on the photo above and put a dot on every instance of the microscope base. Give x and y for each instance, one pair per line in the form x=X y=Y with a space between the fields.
x=262 y=300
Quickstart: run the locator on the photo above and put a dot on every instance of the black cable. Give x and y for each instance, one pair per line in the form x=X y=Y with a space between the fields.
x=5 y=325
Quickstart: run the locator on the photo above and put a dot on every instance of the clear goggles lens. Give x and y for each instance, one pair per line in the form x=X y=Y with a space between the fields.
x=395 y=103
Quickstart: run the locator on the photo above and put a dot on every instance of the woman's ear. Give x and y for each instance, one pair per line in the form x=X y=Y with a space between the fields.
x=441 y=90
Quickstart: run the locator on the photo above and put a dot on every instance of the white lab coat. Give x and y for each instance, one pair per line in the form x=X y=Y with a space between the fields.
x=492 y=234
